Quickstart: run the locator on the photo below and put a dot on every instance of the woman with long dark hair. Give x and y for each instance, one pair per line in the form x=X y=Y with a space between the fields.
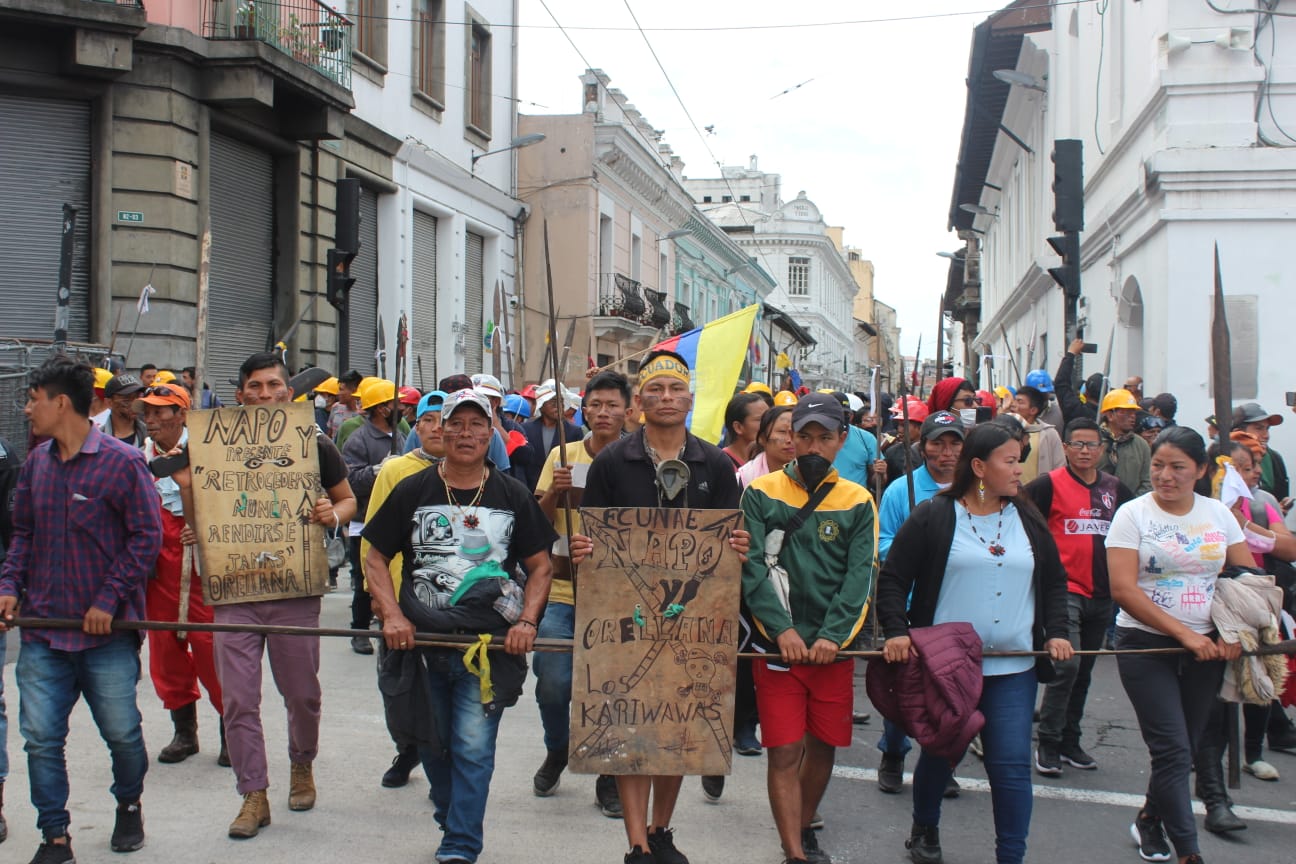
x=773 y=448
x=980 y=552
x=1165 y=550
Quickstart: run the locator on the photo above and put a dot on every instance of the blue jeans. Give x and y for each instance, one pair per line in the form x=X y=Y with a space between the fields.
x=553 y=671
x=49 y=683
x=461 y=780
x=894 y=739
x=1008 y=702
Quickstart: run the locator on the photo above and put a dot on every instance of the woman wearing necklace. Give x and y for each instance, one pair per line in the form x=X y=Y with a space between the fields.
x=979 y=552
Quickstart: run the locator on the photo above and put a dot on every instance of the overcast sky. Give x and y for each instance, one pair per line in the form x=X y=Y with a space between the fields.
x=871 y=134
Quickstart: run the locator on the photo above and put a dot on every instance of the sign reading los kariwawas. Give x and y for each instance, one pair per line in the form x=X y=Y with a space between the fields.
x=655 y=650
x=255 y=481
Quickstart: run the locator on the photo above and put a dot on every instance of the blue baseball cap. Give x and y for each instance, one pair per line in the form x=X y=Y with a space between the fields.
x=430 y=402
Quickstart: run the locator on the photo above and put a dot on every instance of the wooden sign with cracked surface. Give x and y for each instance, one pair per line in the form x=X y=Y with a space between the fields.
x=654 y=658
x=255 y=480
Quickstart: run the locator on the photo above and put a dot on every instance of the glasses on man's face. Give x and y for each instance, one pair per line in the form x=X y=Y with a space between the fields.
x=160 y=390
x=1085 y=445
x=964 y=402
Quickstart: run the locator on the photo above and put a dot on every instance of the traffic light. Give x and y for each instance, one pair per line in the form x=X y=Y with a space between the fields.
x=1068 y=184
x=339 y=279
x=1067 y=246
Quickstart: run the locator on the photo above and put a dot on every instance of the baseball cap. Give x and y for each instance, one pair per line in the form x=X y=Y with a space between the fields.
x=460 y=398
x=488 y=385
x=165 y=394
x=102 y=377
x=409 y=395
x=454 y=383
x=1251 y=412
x=941 y=422
x=431 y=401
x=821 y=408
x=123 y=385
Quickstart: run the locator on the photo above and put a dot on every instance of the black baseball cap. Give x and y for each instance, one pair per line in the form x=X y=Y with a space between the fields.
x=821 y=408
x=941 y=422
x=123 y=385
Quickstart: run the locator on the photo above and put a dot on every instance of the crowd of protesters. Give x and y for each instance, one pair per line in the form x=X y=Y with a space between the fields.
x=1054 y=517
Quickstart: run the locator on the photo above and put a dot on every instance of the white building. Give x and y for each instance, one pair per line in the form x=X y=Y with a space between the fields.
x=437 y=79
x=1186 y=121
x=791 y=240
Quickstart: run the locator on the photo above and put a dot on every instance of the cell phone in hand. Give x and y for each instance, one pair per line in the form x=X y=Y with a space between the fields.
x=1089 y=348
x=165 y=466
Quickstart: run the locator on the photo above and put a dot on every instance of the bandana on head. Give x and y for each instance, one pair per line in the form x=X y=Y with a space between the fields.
x=663 y=367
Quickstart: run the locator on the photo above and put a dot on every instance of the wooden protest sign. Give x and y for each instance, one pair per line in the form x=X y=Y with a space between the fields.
x=255 y=481
x=655 y=654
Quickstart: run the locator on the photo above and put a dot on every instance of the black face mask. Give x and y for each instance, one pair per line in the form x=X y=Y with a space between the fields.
x=813 y=470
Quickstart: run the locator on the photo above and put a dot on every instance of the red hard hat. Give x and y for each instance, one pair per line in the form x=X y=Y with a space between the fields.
x=409 y=395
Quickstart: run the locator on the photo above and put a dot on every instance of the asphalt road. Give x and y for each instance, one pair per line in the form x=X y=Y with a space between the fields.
x=1082 y=816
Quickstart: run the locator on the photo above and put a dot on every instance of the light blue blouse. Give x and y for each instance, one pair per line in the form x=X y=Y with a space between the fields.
x=993 y=593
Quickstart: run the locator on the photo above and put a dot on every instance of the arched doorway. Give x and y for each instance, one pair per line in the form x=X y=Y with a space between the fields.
x=1129 y=314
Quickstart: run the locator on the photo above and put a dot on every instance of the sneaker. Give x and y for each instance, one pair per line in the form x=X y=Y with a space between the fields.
x=817 y=821
x=638 y=856
x=1150 y=837
x=1047 y=760
x=976 y=748
x=952 y=788
x=549 y=774
x=361 y=645
x=1261 y=770
x=662 y=845
x=128 y=832
x=890 y=776
x=607 y=798
x=399 y=773
x=860 y=718
x=1075 y=756
x=810 y=846
x=745 y=741
x=55 y=853
x=924 y=844
x=713 y=787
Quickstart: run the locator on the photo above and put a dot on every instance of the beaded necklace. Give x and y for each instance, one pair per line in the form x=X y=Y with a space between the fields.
x=467 y=520
x=995 y=548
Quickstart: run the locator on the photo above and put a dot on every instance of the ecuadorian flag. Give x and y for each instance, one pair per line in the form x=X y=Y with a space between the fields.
x=715 y=354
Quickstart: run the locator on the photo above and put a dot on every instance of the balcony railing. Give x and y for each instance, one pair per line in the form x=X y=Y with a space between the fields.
x=619 y=297
x=680 y=321
x=657 y=315
x=305 y=30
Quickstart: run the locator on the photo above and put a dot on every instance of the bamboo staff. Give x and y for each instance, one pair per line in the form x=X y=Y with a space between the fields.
x=558 y=394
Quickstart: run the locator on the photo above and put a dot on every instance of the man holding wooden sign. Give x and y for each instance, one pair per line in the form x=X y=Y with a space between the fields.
x=818 y=532
x=265 y=483
x=663 y=465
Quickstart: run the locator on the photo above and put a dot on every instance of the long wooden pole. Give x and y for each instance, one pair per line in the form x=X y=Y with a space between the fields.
x=558 y=394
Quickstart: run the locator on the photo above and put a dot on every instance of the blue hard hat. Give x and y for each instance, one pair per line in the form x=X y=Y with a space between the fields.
x=1040 y=380
x=431 y=402
x=517 y=405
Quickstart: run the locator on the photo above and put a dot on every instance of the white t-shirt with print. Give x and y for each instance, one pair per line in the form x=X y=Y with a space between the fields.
x=1179 y=557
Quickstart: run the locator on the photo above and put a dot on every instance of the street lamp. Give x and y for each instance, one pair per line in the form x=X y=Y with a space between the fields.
x=516 y=143
x=732 y=270
x=672 y=235
x=1013 y=78
x=953 y=256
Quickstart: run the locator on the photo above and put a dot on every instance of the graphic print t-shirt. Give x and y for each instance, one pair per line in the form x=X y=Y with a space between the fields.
x=1179 y=556
x=506 y=526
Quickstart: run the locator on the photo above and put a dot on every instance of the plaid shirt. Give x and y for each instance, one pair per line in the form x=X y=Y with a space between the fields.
x=86 y=533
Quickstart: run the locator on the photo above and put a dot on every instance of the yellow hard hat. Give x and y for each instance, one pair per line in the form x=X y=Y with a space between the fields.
x=758 y=387
x=785 y=397
x=376 y=392
x=329 y=386
x=1117 y=399
x=164 y=376
x=102 y=377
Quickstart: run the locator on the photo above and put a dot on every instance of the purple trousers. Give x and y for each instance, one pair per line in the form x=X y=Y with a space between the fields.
x=294 y=662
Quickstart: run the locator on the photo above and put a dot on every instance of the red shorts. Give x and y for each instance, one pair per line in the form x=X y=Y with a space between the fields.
x=806 y=698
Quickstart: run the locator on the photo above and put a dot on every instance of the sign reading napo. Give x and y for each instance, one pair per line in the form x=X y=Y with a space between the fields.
x=655 y=651
x=255 y=482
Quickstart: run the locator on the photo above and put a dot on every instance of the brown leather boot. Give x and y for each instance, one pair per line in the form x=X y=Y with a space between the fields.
x=185 y=742
x=301 y=791
x=252 y=817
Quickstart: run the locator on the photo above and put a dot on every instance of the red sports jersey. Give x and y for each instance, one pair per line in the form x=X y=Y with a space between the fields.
x=1078 y=518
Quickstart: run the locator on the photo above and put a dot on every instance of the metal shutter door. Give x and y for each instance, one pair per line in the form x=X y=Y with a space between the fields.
x=240 y=309
x=423 y=335
x=475 y=289
x=44 y=163
x=362 y=302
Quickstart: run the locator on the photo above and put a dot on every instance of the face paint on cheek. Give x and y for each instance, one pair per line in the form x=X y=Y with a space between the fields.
x=649 y=401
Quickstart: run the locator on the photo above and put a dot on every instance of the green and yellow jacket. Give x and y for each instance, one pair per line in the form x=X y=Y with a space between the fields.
x=831 y=560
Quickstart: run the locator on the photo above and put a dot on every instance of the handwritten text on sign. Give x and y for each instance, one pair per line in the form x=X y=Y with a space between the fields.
x=654 y=656
x=255 y=481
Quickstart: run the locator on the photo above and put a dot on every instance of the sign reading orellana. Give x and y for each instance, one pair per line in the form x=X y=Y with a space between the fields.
x=255 y=480
x=657 y=633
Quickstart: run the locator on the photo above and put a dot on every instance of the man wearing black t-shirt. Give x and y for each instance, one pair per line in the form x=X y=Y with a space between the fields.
x=462 y=529
x=625 y=474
